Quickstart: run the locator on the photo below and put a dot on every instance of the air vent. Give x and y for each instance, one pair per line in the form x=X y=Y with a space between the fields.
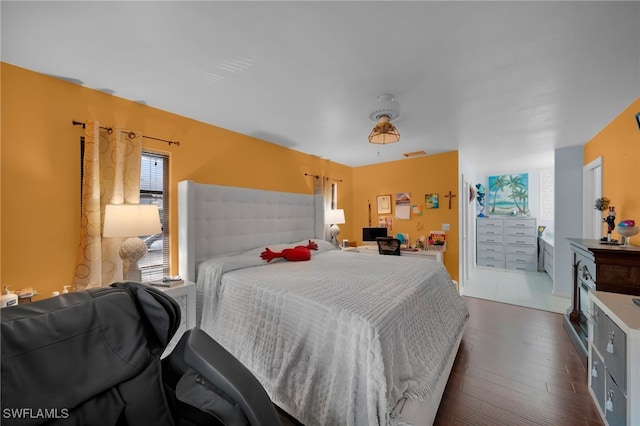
x=414 y=154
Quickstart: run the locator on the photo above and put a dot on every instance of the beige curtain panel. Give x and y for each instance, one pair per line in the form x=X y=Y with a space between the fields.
x=111 y=176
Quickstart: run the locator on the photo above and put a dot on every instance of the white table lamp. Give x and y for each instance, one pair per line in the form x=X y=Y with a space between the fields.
x=334 y=218
x=133 y=221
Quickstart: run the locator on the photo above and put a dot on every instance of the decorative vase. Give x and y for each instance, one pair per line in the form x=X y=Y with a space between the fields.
x=627 y=232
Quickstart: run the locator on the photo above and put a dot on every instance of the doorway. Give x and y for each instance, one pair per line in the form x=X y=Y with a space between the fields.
x=467 y=234
x=591 y=190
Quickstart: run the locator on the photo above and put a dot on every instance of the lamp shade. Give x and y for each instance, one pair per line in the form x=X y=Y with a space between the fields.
x=335 y=217
x=385 y=110
x=131 y=220
x=384 y=132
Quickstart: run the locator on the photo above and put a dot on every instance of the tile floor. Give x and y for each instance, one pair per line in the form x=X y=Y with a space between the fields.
x=530 y=289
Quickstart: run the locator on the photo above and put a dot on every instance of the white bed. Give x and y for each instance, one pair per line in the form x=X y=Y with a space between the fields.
x=345 y=338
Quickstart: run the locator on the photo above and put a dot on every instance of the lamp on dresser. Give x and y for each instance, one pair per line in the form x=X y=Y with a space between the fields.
x=334 y=218
x=131 y=221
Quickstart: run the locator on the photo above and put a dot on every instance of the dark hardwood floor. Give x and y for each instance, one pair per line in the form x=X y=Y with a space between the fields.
x=515 y=366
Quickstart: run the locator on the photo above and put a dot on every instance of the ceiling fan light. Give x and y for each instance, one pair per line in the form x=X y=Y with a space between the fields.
x=384 y=132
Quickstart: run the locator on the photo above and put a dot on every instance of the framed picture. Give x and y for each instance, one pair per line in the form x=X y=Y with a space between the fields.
x=384 y=204
x=431 y=201
x=508 y=194
x=385 y=222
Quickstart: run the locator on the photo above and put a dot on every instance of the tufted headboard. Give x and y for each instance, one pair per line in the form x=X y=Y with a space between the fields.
x=215 y=220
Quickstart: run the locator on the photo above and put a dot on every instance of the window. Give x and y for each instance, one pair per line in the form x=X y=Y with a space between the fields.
x=154 y=189
x=547 y=194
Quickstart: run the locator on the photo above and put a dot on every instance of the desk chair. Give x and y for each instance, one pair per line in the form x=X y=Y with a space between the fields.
x=93 y=358
x=388 y=246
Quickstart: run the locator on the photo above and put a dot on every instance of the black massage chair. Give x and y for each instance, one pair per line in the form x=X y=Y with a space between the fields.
x=94 y=358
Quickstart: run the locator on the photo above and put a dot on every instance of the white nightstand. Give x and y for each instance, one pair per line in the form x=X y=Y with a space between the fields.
x=185 y=295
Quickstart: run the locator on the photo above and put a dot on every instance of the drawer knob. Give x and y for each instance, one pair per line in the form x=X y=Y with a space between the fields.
x=610 y=342
x=609 y=404
x=594 y=369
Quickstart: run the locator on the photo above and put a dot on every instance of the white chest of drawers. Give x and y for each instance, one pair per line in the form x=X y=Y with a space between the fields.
x=507 y=242
x=614 y=358
x=521 y=244
x=490 y=242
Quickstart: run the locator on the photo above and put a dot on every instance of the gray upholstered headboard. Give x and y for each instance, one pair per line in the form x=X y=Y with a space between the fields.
x=215 y=220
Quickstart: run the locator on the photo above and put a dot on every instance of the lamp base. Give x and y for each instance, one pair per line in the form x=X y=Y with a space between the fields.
x=334 y=231
x=132 y=250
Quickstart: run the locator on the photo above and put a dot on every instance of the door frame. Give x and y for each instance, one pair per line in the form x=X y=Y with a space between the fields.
x=591 y=191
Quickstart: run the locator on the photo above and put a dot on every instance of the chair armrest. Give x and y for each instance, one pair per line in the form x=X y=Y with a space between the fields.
x=198 y=351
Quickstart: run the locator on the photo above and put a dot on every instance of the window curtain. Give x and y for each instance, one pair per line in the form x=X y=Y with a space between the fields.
x=327 y=199
x=111 y=176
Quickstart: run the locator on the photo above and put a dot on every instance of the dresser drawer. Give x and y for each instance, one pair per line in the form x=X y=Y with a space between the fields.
x=490 y=248
x=599 y=338
x=615 y=355
x=517 y=239
x=520 y=223
x=586 y=268
x=522 y=266
x=531 y=232
x=523 y=250
x=490 y=222
x=597 y=378
x=615 y=403
x=521 y=258
x=490 y=238
x=491 y=263
x=491 y=256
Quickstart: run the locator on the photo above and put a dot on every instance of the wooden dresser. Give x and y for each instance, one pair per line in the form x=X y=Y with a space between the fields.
x=600 y=267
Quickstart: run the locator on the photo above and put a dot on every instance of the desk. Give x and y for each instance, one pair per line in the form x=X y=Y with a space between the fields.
x=433 y=253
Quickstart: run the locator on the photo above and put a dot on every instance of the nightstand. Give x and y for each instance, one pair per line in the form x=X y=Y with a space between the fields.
x=185 y=295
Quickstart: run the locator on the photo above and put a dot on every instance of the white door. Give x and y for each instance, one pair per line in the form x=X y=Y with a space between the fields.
x=591 y=191
x=467 y=234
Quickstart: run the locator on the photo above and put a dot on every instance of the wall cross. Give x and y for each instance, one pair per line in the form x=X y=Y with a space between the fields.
x=450 y=197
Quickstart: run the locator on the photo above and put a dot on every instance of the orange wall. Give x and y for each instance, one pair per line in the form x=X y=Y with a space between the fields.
x=619 y=145
x=40 y=181
x=40 y=174
x=418 y=176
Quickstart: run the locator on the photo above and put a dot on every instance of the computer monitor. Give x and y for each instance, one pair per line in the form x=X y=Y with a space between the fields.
x=369 y=235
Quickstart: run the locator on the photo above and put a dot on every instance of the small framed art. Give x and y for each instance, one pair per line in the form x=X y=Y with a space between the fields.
x=431 y=201
x=384 y=204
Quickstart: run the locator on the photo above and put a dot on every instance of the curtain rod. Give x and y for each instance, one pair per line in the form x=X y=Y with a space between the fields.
x=128 y=132
x=327 y=178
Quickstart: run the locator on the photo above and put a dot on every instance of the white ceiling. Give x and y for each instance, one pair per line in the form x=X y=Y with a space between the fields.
x=503 y=82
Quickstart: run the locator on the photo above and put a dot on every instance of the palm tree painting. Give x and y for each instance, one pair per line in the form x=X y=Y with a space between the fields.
x=509 y=194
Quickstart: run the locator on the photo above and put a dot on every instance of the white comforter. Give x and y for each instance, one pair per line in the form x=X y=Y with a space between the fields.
x=337 y=340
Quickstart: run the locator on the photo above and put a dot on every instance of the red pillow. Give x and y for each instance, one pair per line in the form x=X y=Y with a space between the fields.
x=296 y=254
